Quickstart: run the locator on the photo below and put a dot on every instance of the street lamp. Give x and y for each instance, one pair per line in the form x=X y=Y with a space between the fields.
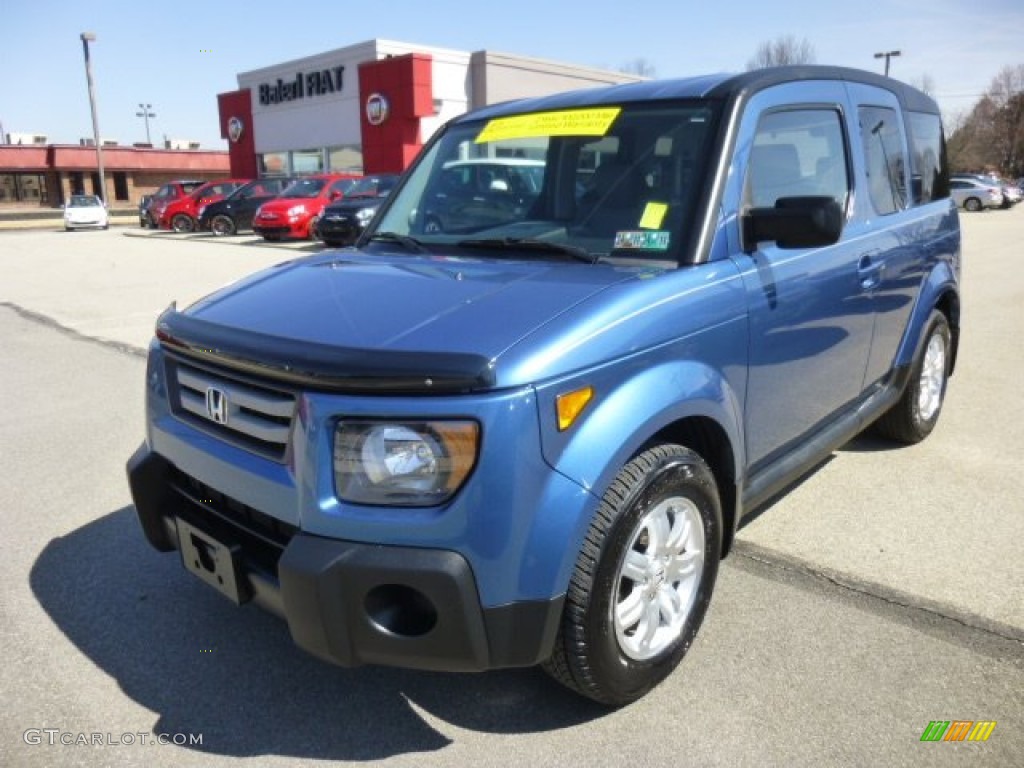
x=887 y=55
x=90 y=37
x=146 y=114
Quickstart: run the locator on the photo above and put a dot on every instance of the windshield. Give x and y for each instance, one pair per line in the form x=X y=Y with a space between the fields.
x=304 y=188
x=84 y=201
x=371 y=186
x=615 y=181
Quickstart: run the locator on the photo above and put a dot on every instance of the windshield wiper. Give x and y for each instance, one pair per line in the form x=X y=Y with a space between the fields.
x=409 y=243
x=531 y=244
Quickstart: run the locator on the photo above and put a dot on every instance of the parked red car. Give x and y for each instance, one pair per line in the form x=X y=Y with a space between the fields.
x=181 y=214
x=172 y=190
x=295 y=212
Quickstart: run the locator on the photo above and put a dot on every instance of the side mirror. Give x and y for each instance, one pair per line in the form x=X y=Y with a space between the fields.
x=334 y=195
x=794 y=222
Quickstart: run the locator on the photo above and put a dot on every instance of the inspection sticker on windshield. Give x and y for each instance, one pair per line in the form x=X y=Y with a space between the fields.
x=641 y=241
x=567 y=122
x=654 y=215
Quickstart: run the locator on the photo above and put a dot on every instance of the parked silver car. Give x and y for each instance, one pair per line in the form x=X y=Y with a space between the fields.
x=975 y=195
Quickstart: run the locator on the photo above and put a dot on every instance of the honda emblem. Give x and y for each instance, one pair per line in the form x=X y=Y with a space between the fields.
x=217 y=405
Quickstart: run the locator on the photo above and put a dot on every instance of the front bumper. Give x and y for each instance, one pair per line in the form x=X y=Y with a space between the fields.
x=348 y=603
x=273 y=230
x=343 y=230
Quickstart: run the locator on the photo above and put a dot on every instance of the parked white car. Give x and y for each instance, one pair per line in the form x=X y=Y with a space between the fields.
x=974 y=195
x=85 y=211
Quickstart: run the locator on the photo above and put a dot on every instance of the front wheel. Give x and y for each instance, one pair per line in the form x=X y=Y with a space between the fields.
x=182 y=222
x=222 y=225
x=972 y=204
x=914 y=417
x=643 y=581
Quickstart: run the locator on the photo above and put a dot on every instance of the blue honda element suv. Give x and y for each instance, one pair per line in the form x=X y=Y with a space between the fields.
x=527 y=434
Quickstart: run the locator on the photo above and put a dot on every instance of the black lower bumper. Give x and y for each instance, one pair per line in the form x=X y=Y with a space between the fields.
x=346 y=602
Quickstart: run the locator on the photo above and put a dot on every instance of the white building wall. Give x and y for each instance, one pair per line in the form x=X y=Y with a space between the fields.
x=313 y=121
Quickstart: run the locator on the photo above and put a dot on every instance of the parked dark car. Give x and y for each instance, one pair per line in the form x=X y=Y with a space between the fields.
x=234 y=213
x=343 y=221
x=144 y=221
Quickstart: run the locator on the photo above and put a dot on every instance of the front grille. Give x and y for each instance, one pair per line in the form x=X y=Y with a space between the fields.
x=263 y=538
x=237 y=409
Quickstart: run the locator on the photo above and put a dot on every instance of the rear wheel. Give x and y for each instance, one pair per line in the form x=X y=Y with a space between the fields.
x=972 y=204
x=222 y=225
x=643 y=580
x=914 y=417
x=182 y=222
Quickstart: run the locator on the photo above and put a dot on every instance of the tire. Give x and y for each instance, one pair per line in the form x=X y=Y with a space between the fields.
x=972 y=204
x=182 y=222
x=914 y=417
x=222 y=225
x=628 y=621
x=313 y=234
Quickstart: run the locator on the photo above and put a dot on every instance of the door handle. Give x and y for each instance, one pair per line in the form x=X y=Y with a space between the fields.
x=870 y=270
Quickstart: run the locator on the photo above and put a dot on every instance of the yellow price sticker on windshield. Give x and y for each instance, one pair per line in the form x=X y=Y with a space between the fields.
x=568 y=122
x=654 y=216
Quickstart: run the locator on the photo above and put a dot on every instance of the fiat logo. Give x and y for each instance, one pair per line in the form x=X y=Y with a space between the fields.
x=235 y=128
x=377 y=109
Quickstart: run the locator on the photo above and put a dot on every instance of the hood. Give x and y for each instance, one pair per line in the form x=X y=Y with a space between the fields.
x=373 y=316
x=353 y=204
x=282 y=204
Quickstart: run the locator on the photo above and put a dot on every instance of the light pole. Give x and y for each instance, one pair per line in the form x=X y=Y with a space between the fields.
x=887 y=55
x=90 y=37
x=145 y=113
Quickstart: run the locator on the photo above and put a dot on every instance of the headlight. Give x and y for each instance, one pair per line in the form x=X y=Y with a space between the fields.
x=363 y=215
x=296 y=210
x=403 y=464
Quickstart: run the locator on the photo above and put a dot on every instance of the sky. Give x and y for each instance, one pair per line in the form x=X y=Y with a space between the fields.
x=179 y=56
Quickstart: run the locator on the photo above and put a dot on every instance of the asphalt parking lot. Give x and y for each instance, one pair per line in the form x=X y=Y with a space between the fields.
x=884 y=591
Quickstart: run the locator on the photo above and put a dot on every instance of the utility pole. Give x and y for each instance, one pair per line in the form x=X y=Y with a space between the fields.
x=886 y=55
x=90 y=37
x=145 y=113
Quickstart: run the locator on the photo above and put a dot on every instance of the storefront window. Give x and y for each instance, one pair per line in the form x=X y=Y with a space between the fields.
x=273 y=164
x=22 y=188
x=347 y=158
x=307 y=161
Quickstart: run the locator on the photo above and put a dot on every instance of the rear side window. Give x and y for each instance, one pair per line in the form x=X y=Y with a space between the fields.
x=930 y=179
x=798 y=153
x=885 y=159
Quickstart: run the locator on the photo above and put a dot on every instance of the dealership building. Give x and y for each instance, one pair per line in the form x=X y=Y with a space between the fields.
x=369 y=107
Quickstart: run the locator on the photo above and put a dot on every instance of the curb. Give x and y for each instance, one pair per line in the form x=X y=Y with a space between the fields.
x=891 y=595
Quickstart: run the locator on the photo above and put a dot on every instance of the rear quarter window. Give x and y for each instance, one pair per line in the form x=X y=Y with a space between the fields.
x=885 y=159
x=930 y=176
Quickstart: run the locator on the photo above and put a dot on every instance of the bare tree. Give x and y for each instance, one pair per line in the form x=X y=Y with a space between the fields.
x=925 y=83
x=1007 y=124
x=782 y=51
x=639 y=66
